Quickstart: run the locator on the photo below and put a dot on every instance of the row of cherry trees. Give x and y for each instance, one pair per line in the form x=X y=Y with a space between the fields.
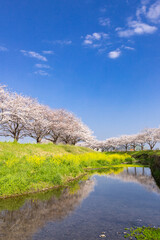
x=149 y=136
x=22 y=116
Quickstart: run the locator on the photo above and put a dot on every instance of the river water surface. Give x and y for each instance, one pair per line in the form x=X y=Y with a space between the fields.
x=104 y=204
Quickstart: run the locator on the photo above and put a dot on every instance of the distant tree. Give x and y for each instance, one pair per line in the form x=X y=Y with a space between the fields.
x=124 y=141
x=133 y=141
x=111 y=143
x=151 y=136
x=141 y=140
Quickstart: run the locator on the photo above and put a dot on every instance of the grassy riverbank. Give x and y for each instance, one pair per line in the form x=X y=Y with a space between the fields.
x=31 y=167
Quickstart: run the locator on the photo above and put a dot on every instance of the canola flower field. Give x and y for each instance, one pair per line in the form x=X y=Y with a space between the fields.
x=24 y=172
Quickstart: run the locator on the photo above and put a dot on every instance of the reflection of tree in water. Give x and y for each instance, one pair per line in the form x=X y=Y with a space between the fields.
x=138 y=175
x=21 y=224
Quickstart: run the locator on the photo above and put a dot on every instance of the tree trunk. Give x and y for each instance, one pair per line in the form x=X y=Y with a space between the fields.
x=151 y=147
x=39 y=140
x=16 y=138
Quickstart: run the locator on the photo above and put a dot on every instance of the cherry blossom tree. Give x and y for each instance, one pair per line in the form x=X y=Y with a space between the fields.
x=112 y=143
x=38 y=124
x=67 y=128
x=141 y=140
x=55 y=128
x=151 y=136
x=124 y=141
x=133 y=141
x=16 y=117
x=92 y=143
x=79 y=132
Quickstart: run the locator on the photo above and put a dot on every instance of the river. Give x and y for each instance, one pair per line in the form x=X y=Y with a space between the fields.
x=100 y=205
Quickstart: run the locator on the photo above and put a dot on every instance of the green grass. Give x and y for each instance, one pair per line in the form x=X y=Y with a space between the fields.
x=147 y=233
x=31 y=167
x=19 y=150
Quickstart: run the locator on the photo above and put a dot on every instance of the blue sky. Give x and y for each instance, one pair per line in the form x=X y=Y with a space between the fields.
x=97 y=58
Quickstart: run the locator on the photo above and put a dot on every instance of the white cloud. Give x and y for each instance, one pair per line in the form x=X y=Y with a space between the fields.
x=104 y=21
x=153 y=13
x=126 y=33
x=49 y=52
x=94 y=38
x=136 y=28
x=39 y=65
x=3 y=49
x=33 y=55
x=87 y=42
x=42 y=73
x=114 y=54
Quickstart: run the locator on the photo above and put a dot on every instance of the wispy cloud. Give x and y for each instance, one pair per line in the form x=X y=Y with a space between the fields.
x=141 y=11
x=143 y=22
x=145 y=2
x=153 y=13
x=42 y=73
x=145 y=13
x=136 y=28
x=60 y=42
x=3 y=49
x=33 y=55
x=39 y=65
x=49 y=52
x=104 y=21
x=103 y=9
x=129 y=48
x=114 y=54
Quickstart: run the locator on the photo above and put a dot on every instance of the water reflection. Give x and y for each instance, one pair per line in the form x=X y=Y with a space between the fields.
x=113 y=205
x=24 y=222
x=140 y=175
